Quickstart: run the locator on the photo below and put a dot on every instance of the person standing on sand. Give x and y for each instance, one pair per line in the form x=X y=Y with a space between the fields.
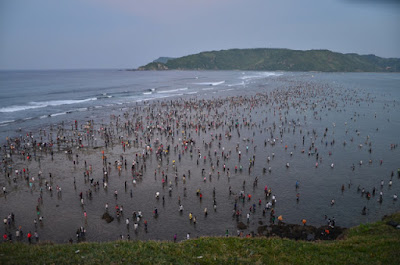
x=29 y=237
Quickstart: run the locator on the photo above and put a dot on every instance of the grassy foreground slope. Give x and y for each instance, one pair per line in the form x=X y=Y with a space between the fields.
x=279 y=60
x=375 y=243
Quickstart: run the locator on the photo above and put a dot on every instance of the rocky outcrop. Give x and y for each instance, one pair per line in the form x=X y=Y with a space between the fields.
x=155 y=66
x=301 y=232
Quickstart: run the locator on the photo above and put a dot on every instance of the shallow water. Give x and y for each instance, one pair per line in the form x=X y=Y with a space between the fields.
x=343 y=102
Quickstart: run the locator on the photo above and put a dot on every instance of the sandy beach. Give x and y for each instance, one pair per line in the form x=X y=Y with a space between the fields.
x=200 y=165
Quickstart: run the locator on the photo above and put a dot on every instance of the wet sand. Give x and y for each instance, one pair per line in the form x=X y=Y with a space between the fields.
x=230 y=154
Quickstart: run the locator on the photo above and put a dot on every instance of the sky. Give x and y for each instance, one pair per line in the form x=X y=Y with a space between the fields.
x=120 y=34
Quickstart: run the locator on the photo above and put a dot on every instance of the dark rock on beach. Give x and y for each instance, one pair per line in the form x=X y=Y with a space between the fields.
x=392 y=223
x=300 y=232
x=107 y=217
x=241 y=226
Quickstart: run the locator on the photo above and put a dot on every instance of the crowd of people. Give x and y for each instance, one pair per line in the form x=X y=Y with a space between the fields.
x=185 y=144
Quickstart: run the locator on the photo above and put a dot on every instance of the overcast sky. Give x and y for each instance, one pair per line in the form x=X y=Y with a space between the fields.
x=78 y=34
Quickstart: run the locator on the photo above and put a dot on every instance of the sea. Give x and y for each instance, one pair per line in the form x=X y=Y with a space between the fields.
x=34 y=99
x=364 y=112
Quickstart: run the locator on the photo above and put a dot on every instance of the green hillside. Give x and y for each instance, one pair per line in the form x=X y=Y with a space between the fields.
x=279 y=60
x=376 y=243
x=162 y=59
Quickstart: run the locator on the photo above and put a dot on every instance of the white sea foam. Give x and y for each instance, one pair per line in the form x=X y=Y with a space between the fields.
x=6 y=122
x=259 y=75
x=210 y=83
x=58 y=114
x=15 y=108
x=172 y=90
x=104 y=95
x=208 y=88
x=147 y=93
x=154 y=98
x=43 y=104
x=225 y=90
x=239 y=84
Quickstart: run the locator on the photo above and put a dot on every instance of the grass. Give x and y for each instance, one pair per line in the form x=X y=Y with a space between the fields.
x=375 y=243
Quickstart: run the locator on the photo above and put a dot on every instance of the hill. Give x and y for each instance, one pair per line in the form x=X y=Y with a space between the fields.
x=278 y=60
x=376 y=243
x=163 y=59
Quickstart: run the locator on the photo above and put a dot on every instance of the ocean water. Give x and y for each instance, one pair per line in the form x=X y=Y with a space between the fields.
x=361 y=109
x=33 y=99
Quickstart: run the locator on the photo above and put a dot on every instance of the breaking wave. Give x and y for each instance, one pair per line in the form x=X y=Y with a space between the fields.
x=42 y=104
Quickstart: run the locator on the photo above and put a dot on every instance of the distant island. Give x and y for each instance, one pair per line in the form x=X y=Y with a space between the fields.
x=266 y=59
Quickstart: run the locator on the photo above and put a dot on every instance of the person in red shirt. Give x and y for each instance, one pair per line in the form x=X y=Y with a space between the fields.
x=29 y=237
